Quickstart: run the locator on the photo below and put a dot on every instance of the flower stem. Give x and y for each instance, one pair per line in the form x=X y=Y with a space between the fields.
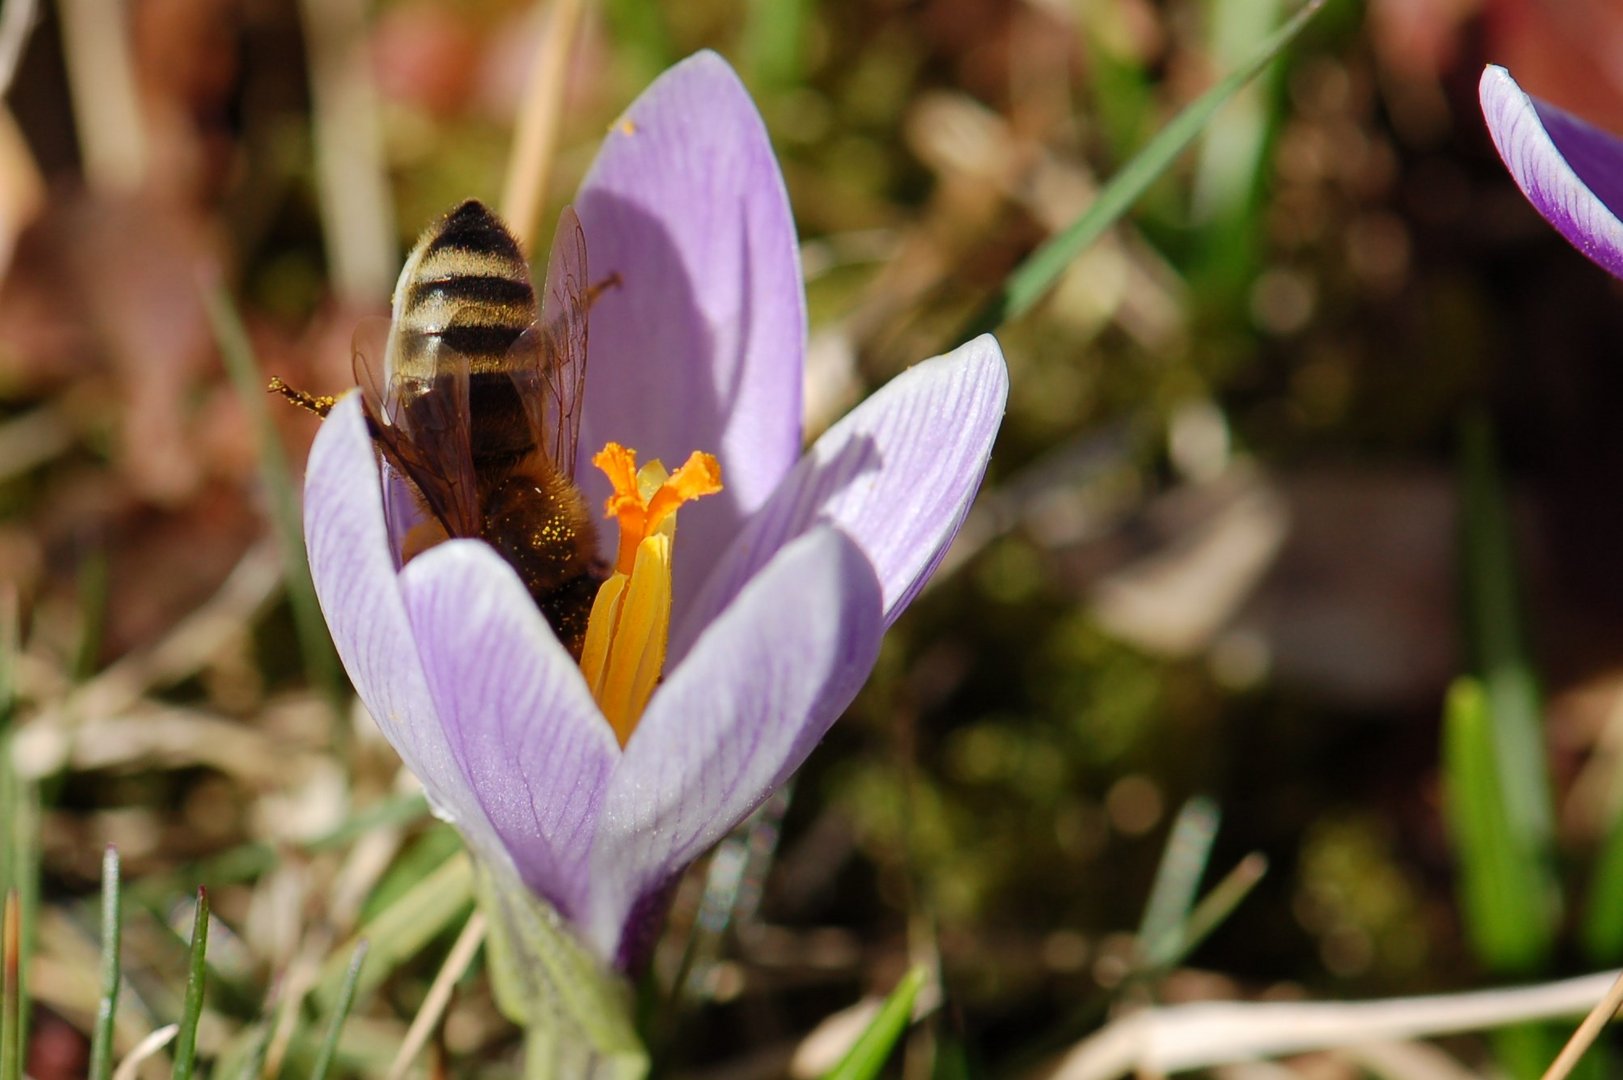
x=575 y=1012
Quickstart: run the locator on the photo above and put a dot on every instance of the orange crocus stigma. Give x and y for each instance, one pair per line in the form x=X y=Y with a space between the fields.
x=643 y=499
x=624 y=654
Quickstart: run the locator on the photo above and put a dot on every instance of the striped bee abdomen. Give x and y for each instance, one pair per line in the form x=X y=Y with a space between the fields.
x=465 y=287
x=463 y=300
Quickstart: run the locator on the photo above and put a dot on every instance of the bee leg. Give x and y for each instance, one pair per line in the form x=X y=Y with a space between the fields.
x=321 y=406
x=598 y=288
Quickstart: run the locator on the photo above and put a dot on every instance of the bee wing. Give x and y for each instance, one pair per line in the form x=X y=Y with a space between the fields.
x=428 y=440
x=558 y=347
x=366 y=350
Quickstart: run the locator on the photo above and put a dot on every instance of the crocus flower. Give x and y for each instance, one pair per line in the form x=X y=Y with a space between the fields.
x=779 y=586
x=1571 y=171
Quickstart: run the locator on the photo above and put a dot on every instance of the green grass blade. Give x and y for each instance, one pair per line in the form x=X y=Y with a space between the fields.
x=92 y=612
x=1228 y=187
x=1177 y=879
x=1032 y=279
x=1495 y=630
x=19 y=851
x=1232 y=147
x=11 y=1037
x=315 y=646
x=20 y=880
x=9 y=641
x=250 y=860
x=1503 y=898
x=874 y=1046
x=112 y=925
x=400 y=930
x=1208 y=915
x=346 y=999
x=1118 y=86
x=1520 y=853
x=186 y=1038
x=1216 y=906
x=1602 y=929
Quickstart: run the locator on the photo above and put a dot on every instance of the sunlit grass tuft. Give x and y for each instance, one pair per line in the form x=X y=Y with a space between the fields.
x=196 y=979
x=112 y=927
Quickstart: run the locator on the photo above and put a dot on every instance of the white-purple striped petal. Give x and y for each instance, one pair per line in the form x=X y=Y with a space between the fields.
x=515 y=711
x=352 y=564
x=897 y=475
x=1571 y=171
x=701 y=345
x=758 y=690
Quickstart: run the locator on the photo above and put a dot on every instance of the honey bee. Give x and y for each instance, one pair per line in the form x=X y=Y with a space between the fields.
x=477 y=403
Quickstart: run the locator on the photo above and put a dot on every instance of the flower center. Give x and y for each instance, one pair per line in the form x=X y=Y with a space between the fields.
x=624 y=653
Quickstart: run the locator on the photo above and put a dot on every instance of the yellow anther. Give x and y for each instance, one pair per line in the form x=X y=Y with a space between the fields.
x=624 y=654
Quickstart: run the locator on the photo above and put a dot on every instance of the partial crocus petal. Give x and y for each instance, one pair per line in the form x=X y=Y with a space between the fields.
x=354 y=573
x=1570 y=171
x=701 y=345
x=897 y=475
x=758 y=690
x=515 y=710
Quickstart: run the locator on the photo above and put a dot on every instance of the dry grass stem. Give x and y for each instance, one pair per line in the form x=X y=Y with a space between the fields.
x=1596 y=797
x=439 y=995
x=106 y=100
x=826 y=1045
x=365 y=865
x=165 y=736
x=357 y=206
x=22 y=188
x=1587 y=1032
x=252 y=584
x=302 y=971
x=536 y=139
x=17 y=19
x=297 y=982
x=30 y=440
x=368 y=860
x=63 y=975
x=146 y=1048
x=1205 y=1034
x=1406 y=1061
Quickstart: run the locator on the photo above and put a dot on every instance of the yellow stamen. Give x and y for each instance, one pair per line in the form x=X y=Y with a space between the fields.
x=624 y=653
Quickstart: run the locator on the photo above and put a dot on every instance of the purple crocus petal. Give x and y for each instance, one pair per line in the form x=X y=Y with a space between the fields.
x=760 y=688
x=701 y=345
x=897 y=475
x=350 y=561
x=1569 y=170
x=516 y=711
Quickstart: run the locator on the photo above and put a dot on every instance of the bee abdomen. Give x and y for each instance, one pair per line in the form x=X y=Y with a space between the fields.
x=486 y=342
x=470 y=227
x=489 y=297
x=466 y=283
